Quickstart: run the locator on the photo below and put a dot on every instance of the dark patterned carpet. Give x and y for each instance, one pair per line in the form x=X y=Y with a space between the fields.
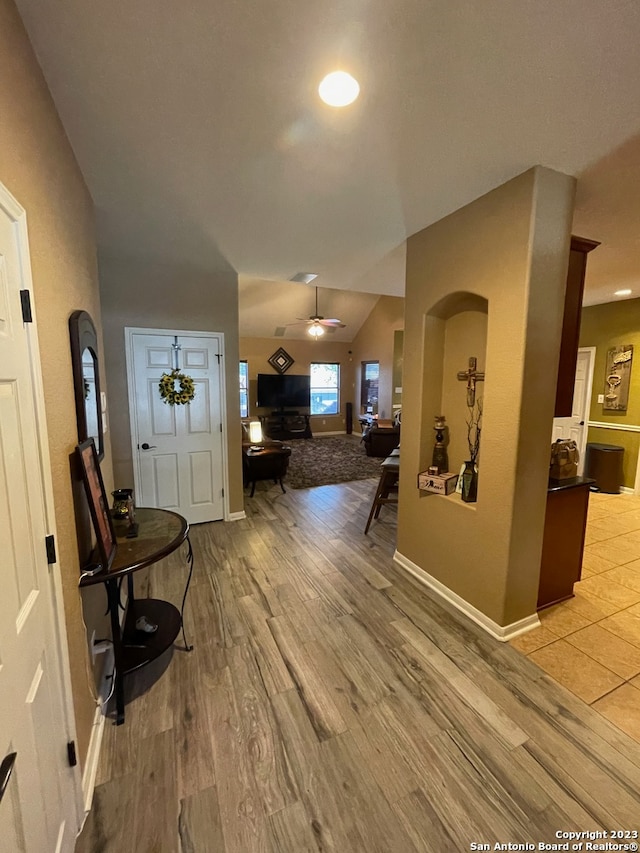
x=335 y=459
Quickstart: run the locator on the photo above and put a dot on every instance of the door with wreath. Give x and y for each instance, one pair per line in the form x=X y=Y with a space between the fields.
x=176 y=405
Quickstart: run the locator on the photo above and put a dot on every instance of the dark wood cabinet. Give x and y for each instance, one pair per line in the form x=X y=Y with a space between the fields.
x=571 y=324
x=283 y=426
x=563 y=544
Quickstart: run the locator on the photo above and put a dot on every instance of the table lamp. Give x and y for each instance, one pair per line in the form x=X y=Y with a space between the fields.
x=255 y=435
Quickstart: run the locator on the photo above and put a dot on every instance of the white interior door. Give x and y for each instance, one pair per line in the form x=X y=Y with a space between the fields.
x=576 y=426
x=178 y=450
x=38 y=811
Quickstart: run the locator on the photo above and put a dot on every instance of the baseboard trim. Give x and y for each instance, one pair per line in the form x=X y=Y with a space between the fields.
x=627 y=490
x=503 y=633
x=334 y=432
x=237 y=516
x=90 y=768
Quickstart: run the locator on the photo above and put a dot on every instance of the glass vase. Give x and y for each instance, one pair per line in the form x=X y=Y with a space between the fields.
x=470 y=482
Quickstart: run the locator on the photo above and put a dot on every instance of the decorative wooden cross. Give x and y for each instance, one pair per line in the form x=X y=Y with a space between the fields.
x=471 y=376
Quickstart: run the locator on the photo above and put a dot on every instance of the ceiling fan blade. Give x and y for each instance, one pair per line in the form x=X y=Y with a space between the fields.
x=337 y=324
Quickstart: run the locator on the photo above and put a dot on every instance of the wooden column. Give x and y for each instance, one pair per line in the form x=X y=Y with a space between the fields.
x=571 y=324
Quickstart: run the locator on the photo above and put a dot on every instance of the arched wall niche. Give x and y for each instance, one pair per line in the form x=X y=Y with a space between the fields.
x=457 y=303
x=455 y=329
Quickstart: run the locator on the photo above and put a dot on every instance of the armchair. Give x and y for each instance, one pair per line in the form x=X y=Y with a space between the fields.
x=380 y=441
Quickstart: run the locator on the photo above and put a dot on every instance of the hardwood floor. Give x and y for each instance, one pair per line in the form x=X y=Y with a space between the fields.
x=331 y=705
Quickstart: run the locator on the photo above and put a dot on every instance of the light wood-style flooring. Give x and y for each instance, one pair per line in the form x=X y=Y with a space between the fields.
x=331 y=705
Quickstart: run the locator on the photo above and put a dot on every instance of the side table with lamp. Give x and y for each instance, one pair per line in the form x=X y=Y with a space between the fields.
x=263 y=459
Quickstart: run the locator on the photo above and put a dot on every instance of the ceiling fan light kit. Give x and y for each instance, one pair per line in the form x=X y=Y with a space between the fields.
x=317 y=323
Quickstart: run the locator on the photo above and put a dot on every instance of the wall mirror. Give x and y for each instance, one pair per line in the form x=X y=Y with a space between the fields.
x=86 y=379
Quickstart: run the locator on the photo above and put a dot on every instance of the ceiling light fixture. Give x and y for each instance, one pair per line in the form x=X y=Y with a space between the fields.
x=316 y=330
x=339 y=89
x=625 y=292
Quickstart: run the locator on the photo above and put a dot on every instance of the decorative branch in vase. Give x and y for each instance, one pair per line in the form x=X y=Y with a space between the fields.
x=470 y=473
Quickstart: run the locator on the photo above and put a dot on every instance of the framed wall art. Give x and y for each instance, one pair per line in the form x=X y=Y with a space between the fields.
x=280 y=360
x=98 y=503
x=617 y=378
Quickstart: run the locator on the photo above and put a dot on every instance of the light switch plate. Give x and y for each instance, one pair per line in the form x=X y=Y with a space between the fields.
x=601 y=398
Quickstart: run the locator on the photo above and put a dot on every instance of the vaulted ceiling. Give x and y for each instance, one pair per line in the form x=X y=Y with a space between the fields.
x=198 y=127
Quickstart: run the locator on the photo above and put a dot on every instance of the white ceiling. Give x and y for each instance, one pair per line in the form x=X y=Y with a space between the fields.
x=201 y=137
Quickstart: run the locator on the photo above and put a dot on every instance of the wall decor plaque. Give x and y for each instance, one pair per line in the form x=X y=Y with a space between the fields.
x=616 y=378
x=281 y=360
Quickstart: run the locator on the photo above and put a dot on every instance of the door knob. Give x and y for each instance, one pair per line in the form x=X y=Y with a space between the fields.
x=146 y=446
x=5 y=771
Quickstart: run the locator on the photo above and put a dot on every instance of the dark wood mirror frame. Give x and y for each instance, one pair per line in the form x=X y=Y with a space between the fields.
x=84 y=337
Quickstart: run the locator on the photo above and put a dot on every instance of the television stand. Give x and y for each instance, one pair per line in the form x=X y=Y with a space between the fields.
x=284 y=426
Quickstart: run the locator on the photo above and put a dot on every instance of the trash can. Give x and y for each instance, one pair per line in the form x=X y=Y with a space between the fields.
x=603 y=463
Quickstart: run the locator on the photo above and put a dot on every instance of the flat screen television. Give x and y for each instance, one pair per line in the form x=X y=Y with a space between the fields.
x=276 y=391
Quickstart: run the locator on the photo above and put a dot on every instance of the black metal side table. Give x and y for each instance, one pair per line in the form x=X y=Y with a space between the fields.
x=160 y=533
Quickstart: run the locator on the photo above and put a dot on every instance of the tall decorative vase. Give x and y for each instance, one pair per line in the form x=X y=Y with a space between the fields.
x=470 y=482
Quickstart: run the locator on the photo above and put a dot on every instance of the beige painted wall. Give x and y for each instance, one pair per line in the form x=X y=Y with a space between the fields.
x=37 y=165
x=156 y=295
x=256 y=351
x=510 y=247
x=604 y=327
x=374 y=342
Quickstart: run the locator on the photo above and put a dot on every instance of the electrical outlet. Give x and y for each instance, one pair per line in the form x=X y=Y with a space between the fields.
x=601 y=398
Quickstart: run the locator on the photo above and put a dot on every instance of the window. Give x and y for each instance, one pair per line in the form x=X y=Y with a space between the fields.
x=325 y=385
x=244 y=389
x=369 y=387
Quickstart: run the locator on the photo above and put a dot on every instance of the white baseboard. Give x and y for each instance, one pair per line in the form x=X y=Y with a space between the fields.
x=334 y=432
x=237 y=516
x=498 y=632
x=627 y=490
x=90 y=768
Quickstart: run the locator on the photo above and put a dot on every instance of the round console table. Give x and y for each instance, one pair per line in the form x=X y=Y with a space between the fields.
x=160 y=533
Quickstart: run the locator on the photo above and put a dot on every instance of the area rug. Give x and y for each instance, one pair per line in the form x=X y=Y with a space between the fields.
x=334 y=459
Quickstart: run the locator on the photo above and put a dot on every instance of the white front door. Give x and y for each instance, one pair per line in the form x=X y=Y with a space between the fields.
x=178 y=450
x=38 y=810
x=576 y=426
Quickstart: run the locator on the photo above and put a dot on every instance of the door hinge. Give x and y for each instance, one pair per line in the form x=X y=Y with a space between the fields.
x=25 y=301
x=71 y=753
x=50 y=545
x=222 y=492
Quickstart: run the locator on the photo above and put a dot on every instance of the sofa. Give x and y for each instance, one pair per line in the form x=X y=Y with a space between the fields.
x=380 y=441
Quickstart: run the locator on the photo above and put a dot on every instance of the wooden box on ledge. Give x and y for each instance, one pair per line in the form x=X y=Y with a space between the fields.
x=439 y=484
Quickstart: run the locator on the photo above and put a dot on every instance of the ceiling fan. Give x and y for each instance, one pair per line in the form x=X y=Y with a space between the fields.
x=317 y=323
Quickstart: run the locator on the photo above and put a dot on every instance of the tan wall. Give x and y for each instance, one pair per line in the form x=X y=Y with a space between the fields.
x=150 y=295
x=256 y=351
x=604 y=327
x=374 y=342
x=511 y=248
x=37 y=165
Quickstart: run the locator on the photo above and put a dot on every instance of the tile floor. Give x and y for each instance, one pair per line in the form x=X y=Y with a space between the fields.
x=591 y=643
